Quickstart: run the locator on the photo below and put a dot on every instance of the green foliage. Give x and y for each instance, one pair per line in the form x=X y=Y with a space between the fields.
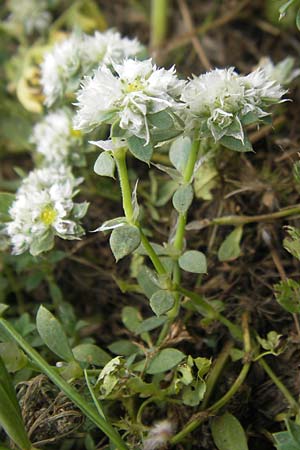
x=289 y=439
x=236 y=144
x=292 y=242
x=165 y=360
x=179 y=152
x=13 y=358
x=105 y=165
x=140 y=149
x=193 y=261
x=286 y=6
x=124 y=240
x=183 y=197
x=161 y=302
x=228 y=433
x=43 y=244
x=91 y=354
x=10 y=413
x=287 y=293
x=230 y=247
x=53 y=334
x=205 y=179
x=6 y=199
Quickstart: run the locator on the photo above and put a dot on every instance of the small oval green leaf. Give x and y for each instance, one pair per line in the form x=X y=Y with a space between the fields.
x=230 y=247
x=140 y=149
x=228 y=433
x=105 y=165
x=193 y=261
x=124 y=240
x=91 y=354
x=161 y=302
x=53 y=335
x=165 y=360
x=183 y=197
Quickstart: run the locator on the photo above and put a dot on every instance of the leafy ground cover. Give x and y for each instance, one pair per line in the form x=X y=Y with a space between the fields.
x=149 y=266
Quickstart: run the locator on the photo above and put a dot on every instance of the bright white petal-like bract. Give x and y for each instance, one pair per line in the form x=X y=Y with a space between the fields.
x=218 y=101
x=128 y=93
x=56 y=140
x=282 y=72
x=64 y=66
x=44 y=207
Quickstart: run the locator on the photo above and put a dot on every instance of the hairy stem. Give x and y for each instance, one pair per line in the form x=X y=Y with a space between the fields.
x=120 y=159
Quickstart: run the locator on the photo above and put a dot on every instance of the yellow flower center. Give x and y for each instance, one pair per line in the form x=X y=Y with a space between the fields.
x=75 y=133
x=48 y=215
x=134 y=86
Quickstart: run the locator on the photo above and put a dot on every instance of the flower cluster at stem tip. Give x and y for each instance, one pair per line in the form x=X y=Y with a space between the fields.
x=56 y=140
x=76 y=56
x=44 y=208
x=218 y=104
x=144 y=106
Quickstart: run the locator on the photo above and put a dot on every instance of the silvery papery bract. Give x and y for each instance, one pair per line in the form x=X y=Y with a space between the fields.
x=129 y=96
x=221 y=102
x=56 y=140
x=76 y=56
x=31 y=15
x=282 y=72
x=44 y=208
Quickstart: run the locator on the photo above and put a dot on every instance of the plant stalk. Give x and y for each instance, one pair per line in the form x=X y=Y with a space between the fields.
x=192 y=425
x=120 y=159
x=288 y=396
x=68 y=390
x=159 y=22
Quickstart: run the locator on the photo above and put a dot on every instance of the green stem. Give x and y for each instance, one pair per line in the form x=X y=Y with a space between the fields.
x=216 y=372
x=187 y=177
x=160 y=269
x=179 y=241
x=69 y=391
x=242 y=220
x=290 y=399
x=159 y=22
x=191 y=426
x=120 y=159
x=209 y=311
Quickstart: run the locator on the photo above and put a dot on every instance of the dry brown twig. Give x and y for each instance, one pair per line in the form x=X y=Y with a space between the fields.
x=188 y=21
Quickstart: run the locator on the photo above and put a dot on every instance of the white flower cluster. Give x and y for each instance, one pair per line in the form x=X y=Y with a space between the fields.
x=129 y=95
x=76 y=56
x=282 y=72
x=31 y=15
x=221 y=102
x=43 y=209
x=57 y=141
